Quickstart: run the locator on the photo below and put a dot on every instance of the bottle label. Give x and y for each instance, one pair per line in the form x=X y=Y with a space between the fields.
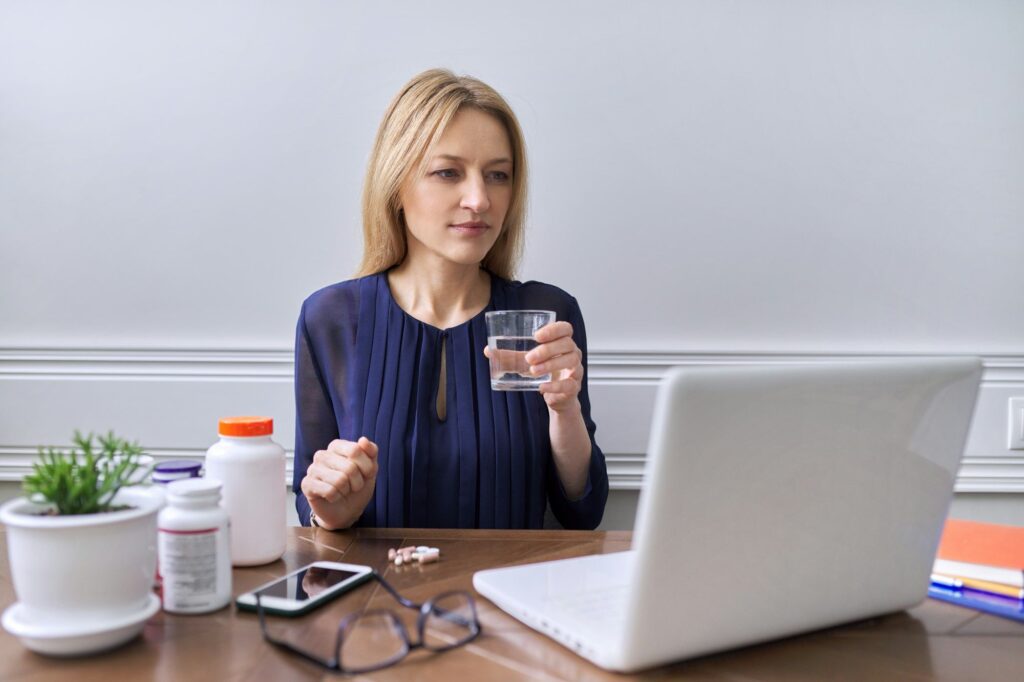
x=193 y=565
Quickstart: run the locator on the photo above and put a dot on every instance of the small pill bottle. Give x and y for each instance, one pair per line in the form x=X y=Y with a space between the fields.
x=252 y=468
x=193 y=547
x=163 y=474
x=175 y=470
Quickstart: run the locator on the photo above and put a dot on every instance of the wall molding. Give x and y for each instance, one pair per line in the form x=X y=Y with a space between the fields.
x=611 y=369
x=630 y=366
x=16 y=462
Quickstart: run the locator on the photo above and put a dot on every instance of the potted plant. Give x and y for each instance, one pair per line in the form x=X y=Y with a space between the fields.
x=82 y=548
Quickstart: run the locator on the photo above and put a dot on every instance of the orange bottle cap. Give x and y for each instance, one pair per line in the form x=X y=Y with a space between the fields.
x=246 y=426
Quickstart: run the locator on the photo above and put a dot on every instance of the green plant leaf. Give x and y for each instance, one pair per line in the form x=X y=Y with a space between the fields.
x=85 y=479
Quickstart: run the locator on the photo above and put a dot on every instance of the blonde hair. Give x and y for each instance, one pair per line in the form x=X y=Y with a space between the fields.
x=412 y=125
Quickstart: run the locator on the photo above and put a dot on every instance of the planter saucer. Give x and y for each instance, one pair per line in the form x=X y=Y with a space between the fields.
x=77 y=640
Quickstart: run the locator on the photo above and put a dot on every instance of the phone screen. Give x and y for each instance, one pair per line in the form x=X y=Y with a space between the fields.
x=306 y=584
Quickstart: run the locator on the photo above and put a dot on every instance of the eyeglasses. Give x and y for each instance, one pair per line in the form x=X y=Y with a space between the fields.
x=375 y=639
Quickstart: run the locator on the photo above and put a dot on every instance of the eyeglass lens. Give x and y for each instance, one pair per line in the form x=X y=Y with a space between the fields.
x=376 y=639
x=450 y=622
x=372 y=640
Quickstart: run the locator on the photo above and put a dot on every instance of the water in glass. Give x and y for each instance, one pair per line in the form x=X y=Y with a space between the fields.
x=509 y=369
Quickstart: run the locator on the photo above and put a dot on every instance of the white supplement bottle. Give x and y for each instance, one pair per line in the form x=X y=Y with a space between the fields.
x=193 y=548
x=252 y=468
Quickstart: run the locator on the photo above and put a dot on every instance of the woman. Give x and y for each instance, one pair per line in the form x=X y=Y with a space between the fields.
x=397 y=425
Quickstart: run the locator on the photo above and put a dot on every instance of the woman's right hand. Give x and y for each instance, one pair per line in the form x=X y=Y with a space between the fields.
x=340 y=481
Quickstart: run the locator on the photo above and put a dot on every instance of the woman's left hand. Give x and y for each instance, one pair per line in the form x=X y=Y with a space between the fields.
x=558 y=355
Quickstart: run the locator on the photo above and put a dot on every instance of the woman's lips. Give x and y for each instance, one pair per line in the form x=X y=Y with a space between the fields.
x=470 y=229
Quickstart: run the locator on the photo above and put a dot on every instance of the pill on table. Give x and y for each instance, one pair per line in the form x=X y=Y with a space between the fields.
x=391 y=554
x=399 y=560
x=429 y=557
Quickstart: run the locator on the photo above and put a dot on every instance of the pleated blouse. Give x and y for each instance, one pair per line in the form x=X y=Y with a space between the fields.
x=365 y=367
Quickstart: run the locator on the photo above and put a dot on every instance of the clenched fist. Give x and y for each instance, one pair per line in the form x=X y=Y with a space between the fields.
x=340 y=481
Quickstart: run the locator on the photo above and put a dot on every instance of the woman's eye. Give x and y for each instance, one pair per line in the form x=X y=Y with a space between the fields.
x=447 y=173
x=500 y=176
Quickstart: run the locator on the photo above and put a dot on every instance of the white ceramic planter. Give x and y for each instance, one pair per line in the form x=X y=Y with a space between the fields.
x=81 y=573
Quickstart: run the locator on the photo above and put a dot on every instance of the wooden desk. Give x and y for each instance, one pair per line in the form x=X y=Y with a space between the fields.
x=932 y=641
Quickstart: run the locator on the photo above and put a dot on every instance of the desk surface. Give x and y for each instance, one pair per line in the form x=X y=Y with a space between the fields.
x=932 y=641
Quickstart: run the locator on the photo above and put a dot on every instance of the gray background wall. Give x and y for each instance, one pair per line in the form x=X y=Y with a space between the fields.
x=716 y=182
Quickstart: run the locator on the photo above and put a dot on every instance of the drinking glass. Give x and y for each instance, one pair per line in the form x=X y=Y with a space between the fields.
x=510 y=338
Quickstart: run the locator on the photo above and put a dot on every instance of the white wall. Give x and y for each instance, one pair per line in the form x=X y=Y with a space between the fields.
x=715 y=181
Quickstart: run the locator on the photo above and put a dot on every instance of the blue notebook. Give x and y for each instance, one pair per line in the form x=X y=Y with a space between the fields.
x=1006 y=607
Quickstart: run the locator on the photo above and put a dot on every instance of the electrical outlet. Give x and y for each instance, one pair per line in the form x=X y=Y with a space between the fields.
x=1016 y=422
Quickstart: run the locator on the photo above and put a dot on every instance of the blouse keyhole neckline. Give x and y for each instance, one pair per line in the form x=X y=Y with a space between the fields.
x=441 y=404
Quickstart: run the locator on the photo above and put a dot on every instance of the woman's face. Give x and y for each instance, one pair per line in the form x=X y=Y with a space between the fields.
x=455 y=211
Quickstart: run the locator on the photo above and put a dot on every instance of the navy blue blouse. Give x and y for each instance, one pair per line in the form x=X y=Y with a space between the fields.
x=365 y=367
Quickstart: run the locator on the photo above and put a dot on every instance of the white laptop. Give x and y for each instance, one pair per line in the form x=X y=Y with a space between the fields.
x=776 y=500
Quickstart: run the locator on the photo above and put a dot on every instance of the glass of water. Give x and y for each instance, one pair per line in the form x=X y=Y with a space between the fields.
x=510 y=338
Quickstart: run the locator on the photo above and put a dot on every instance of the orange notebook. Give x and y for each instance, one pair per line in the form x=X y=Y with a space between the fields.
x=990 y=544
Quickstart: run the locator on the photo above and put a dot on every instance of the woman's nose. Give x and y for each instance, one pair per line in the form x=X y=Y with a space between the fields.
x=475 y=198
